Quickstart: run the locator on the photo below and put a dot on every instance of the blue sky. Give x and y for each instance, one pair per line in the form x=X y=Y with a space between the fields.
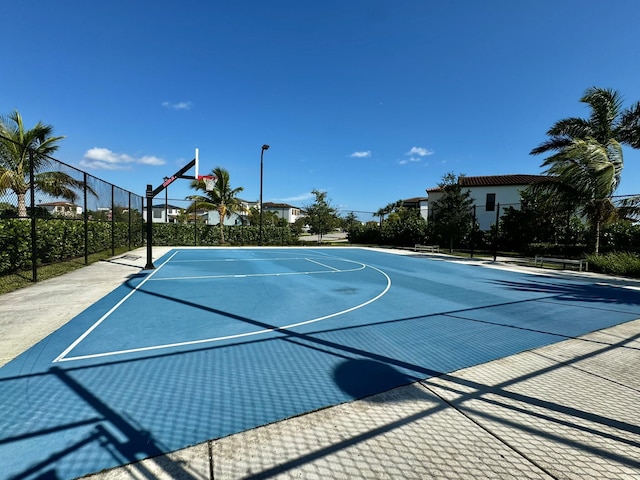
x=370 y=100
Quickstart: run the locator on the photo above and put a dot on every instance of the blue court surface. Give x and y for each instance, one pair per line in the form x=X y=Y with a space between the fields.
x=217 y=341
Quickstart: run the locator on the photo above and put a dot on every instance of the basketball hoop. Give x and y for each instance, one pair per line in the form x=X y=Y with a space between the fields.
x=209 y=181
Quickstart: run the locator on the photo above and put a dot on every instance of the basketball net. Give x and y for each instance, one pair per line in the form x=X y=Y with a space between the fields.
x=209 y=182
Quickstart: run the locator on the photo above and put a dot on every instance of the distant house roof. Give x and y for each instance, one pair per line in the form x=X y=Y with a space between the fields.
x=415 y=200
x=162 y=205
x=58 y=204
x=277 y=205
x=496 y=181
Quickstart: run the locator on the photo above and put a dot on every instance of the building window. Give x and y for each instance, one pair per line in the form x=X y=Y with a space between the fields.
x=491 y=202
x=157 y=213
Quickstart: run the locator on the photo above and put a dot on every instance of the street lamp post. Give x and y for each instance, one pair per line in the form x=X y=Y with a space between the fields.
x=264 y=147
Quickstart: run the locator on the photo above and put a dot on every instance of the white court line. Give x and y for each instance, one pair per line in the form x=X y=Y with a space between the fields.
x=239 y=335
x=323 y=265
x=61 y=357
x=361 y=266
x=239 y=259
x=244 y=275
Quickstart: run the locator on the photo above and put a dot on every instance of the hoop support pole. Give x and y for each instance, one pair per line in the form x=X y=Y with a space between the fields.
x=150 y=195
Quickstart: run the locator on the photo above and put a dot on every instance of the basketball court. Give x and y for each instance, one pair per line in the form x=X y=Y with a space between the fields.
x=217 y=341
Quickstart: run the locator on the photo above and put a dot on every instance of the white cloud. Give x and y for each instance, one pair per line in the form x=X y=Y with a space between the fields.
x=422 y=152
x=298 y=198
x=178 y=105
x=361 y=154
x=404 y=161
x=151 y=160
x=104 y=159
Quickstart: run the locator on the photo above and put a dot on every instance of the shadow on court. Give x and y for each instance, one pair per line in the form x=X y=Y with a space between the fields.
x=125 y=442
x=587 y=293
x=352 y=375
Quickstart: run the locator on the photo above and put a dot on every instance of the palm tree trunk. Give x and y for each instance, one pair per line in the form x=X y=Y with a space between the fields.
x=222 y=211
x=22 y=205
x=597 y=237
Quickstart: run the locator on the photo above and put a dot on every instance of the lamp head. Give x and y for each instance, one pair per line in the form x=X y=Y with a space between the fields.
x=265 y=147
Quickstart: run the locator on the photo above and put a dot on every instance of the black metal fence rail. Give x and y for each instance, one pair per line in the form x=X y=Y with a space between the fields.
x=51 y=212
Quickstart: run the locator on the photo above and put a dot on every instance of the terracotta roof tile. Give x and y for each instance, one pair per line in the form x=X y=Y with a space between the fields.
x=277 y=205
x=496 y=180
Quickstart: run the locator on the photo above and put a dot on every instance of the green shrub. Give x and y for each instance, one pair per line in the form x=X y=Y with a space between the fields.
x=15 y=245
x=367 y=234
x=183 y=234
x=59 y=240
x=620 y=236
x=623 y=264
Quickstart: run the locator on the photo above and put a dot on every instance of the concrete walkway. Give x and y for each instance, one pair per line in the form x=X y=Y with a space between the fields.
x=566 y=411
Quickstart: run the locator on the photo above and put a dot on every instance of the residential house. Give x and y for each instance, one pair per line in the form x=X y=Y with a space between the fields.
x=487 y=192
x=62 y=209
x=241 y=217
x=421 y=203
x=284 y=210
x=163 y=213
x=212 y=217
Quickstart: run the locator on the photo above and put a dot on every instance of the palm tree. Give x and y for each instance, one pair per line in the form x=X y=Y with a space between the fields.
x=585 y=174
x=222 y=198
x=608 y=121
x=390 y=208
x=18 y=147
x=587 y=163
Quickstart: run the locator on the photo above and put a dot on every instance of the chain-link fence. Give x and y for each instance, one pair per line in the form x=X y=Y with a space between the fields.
x=52 y=213
x=527 y=228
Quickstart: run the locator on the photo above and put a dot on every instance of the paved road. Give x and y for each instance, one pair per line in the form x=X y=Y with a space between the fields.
x=328 y=238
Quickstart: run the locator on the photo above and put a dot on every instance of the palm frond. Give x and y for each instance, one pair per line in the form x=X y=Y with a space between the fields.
x=629 y=126
x=553 y=144
x=629 y=208
x=59 y=184
x=200 y=203
x=571 y=128
x=606 y=105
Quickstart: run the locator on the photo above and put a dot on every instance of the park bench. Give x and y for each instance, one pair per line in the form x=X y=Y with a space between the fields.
x=426 y=248
x=563 y=261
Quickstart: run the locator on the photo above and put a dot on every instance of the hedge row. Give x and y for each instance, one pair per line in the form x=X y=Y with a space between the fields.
x=170 y=234
x=59 y=240
x=406 y=233
x=63 y=239
x=626 y=264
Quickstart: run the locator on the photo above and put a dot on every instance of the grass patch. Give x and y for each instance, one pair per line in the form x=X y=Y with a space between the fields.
x=18 y=280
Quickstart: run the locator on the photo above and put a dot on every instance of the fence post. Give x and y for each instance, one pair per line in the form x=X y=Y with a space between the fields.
x=149 y=197
x=473 y=230
x=129 y=223
x=34 y=234
x=113 y=220
x=85 y=208
x=495 y=241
